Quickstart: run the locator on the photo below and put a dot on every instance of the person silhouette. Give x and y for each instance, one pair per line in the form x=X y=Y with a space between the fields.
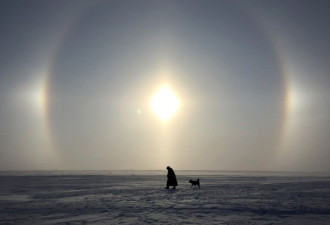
x=171 y=178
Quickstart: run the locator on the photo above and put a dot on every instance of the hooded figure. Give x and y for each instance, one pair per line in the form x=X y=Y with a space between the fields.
x=171 y=178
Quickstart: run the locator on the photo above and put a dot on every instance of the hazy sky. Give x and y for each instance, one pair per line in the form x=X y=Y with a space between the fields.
x=252 y=79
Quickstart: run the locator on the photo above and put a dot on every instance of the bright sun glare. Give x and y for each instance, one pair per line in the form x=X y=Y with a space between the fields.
x=164 y=103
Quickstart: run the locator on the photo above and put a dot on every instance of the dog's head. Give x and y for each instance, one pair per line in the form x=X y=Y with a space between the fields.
x=190 y=181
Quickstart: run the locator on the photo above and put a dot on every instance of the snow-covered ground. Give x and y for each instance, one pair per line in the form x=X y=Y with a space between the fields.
x=139 y=197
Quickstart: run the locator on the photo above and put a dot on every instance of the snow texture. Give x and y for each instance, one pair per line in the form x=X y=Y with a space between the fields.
x=139 y=197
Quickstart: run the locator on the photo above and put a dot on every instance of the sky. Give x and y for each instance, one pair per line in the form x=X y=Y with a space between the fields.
x=251 y=80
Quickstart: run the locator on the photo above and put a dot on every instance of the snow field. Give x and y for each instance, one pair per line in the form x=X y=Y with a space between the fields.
x=142 y=199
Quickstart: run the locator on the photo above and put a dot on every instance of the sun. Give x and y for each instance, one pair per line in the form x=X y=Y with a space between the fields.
x=164 y=103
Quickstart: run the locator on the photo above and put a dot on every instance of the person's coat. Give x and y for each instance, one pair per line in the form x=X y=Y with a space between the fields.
x=171 y=178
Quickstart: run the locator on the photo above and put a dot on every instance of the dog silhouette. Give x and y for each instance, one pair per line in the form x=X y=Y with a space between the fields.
x=195 y=183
